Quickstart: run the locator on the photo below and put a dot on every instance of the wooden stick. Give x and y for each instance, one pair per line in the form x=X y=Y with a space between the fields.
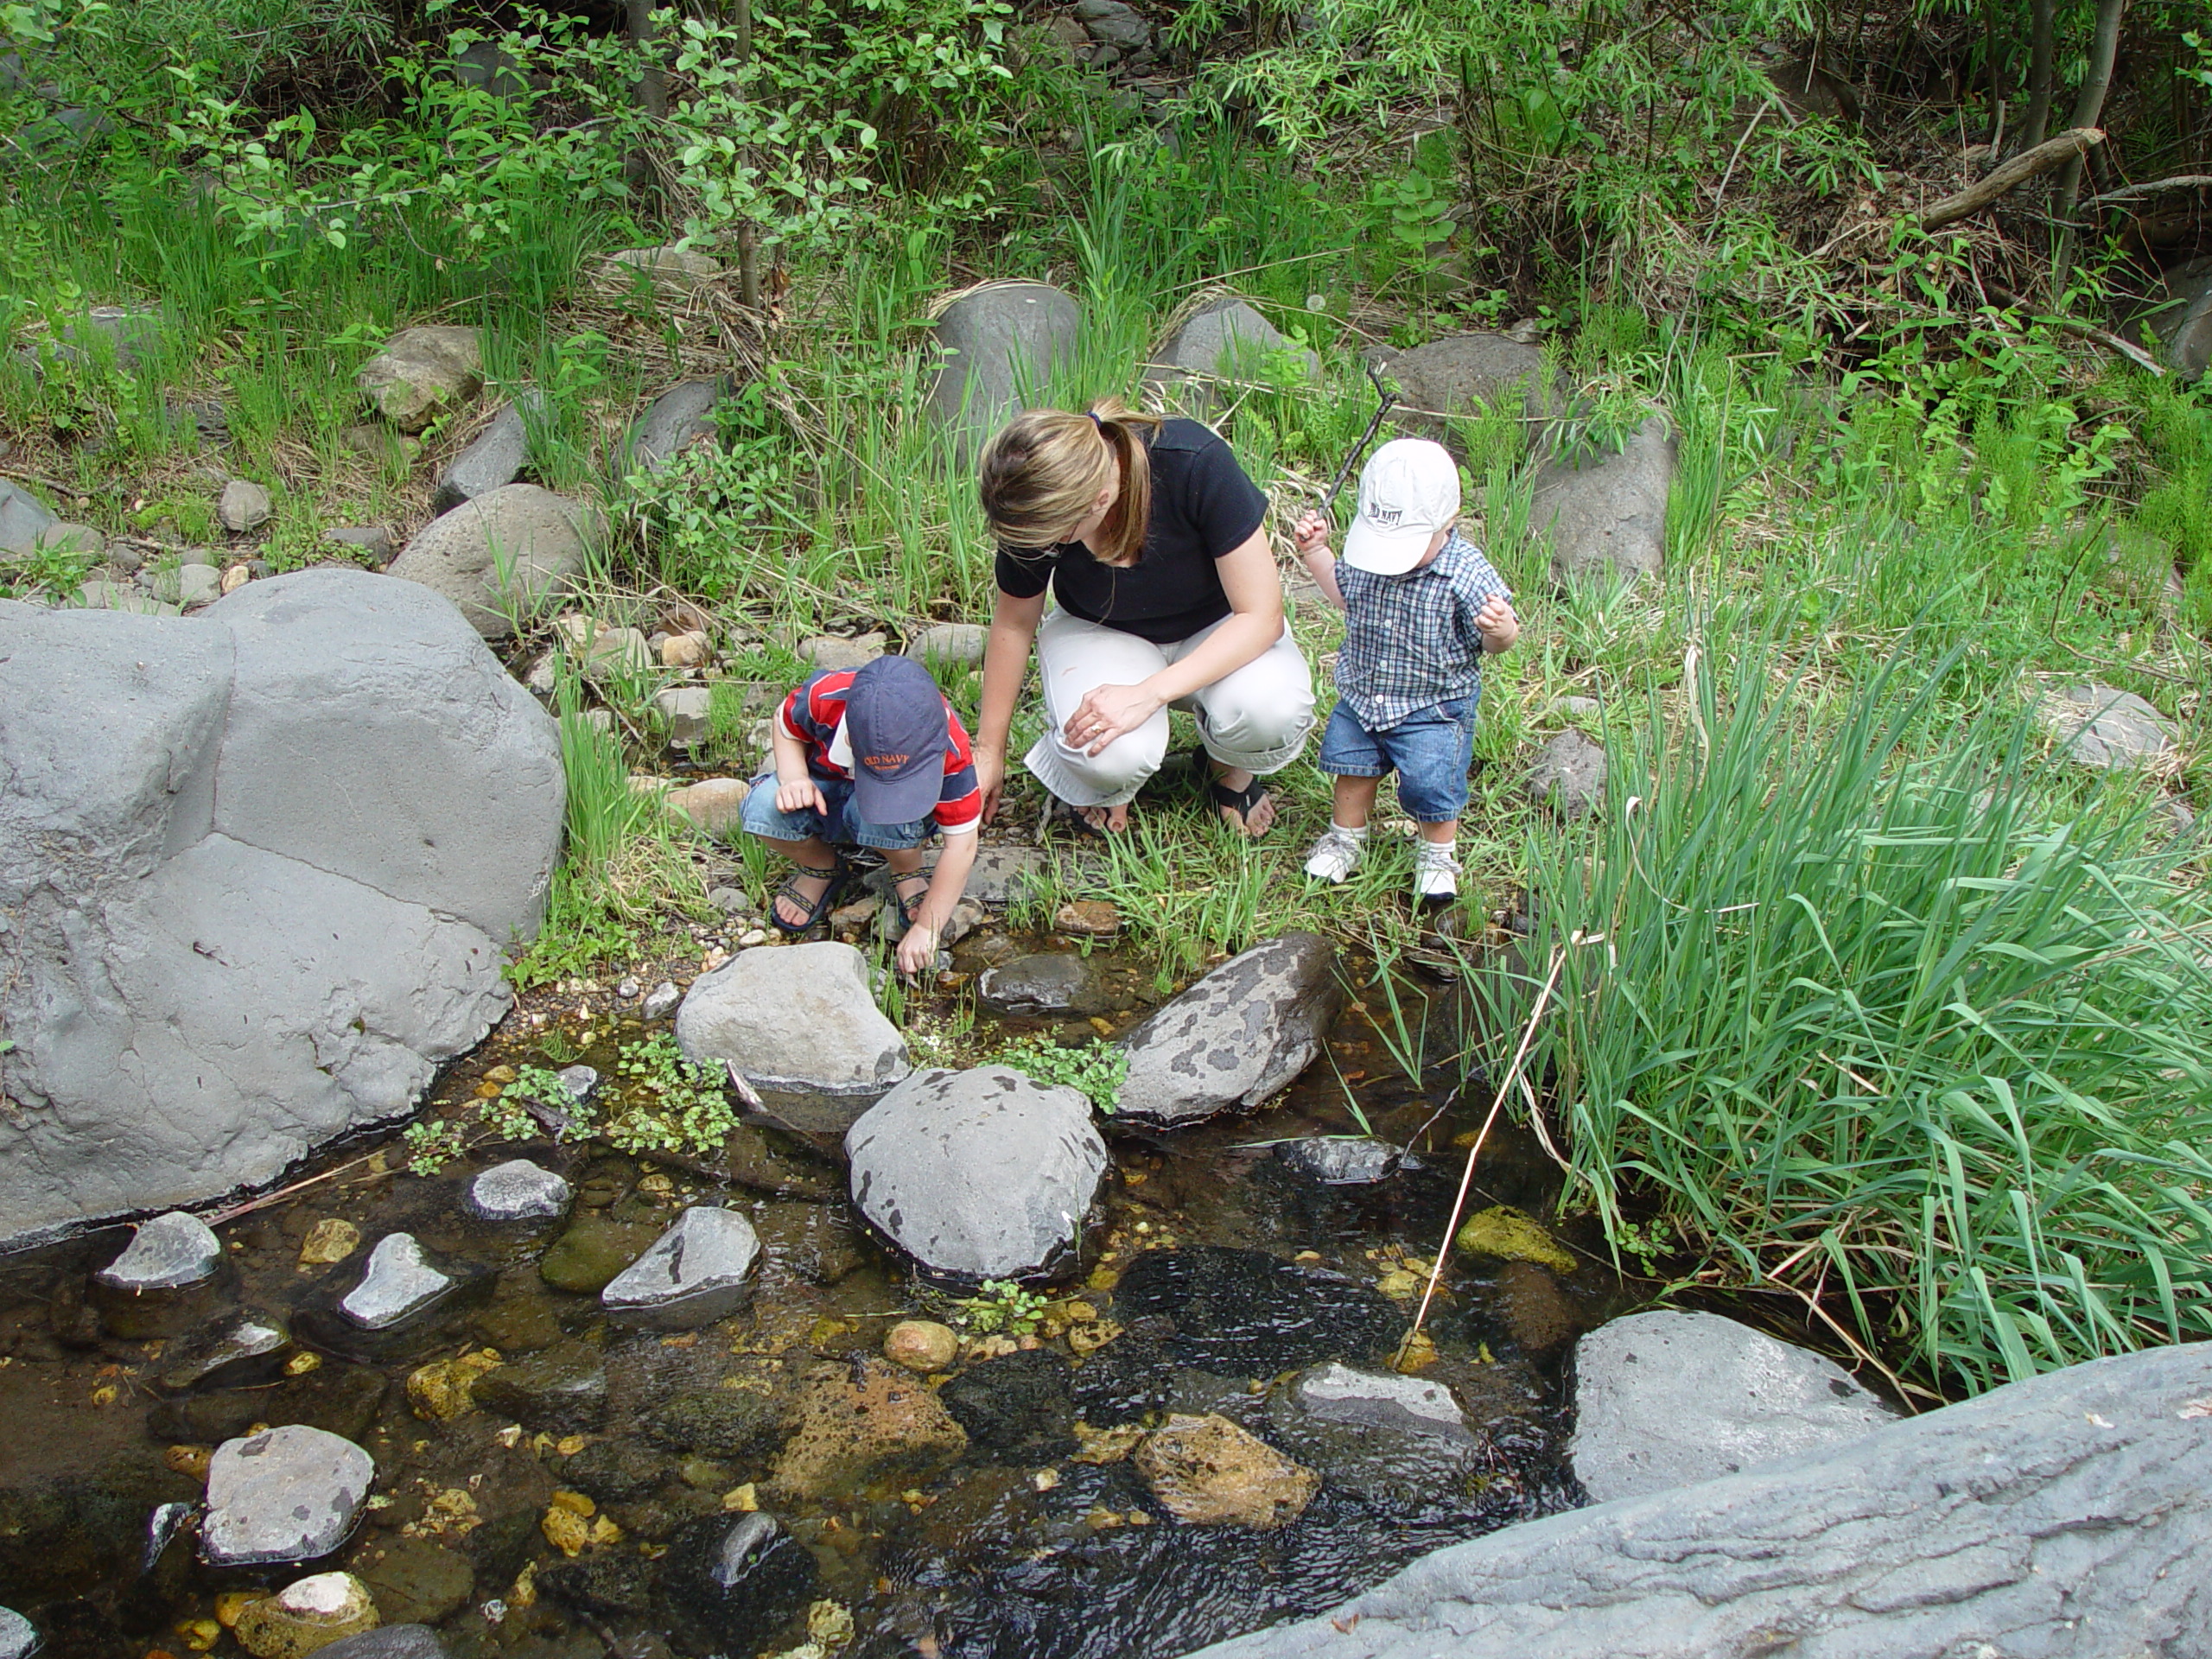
x=2056 y=152
x=2156 y=186
x=2104 y=337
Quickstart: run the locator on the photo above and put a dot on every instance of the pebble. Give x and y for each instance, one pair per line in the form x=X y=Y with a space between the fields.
x=306 y=1617
x=245 y=505
x=519 y=1191
x=697 y=1272
x=399 y=1281
x=289 y=1494
x=330 y=1240
x=19 y=1638
x=753 y=937
x=661 y=1001
x=731 y=901
x=582 y=1081
x=168 y=1253
x=922 y=1345
x=627 y=990
x=686 y=651
x=235 y=578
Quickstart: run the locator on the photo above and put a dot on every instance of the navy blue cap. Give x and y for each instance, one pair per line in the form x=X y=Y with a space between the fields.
x=894 y=719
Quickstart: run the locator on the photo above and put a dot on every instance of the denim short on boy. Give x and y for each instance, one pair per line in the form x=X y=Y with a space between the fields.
x=1430 y=750
x=838 y=827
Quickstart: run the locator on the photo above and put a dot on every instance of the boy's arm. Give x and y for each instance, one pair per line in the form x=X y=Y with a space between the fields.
x=1311 y=533
x=796 y=790
x=950 y=881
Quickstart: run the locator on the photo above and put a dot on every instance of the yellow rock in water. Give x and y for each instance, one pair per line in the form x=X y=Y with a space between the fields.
x=332 y=1239
x=829 y=1622
x=306 y=1615
x=201 y=1634
x=565 y=1530
x=575 y=1503
x=742 y=1500
x=1502 y=1231
x=1399 y=1282
x=442 y=1390
x=231 y=1603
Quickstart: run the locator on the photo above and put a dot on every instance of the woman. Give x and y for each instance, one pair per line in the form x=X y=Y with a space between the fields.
x=1148 y=534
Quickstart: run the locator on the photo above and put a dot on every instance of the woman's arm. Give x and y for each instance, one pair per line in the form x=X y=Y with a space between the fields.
x=1005 y=665
x=1253 y=589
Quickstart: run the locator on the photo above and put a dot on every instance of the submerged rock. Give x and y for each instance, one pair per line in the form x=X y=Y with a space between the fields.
x=1206 y=1470
x=307 y=1616
x=519 y=1191
x=593 y=1251
x=856 y=1430
x=289 y=1495
x=390 y=1641
x=732 y=1423
x=1344 y=1160
x=1234 y=1037
x=1387 y=1437
x=1043 y=982
x=922 y=1345
x=19 y=1638
x=983 y=1174
x=1244 y=1314
x=735 y=1579
x=801 y=1021
x=700 y=1270
x=339 y=1400
x=559 y=1390
x=1666 y=1399
x=400 y=1281
x=415 y=1580
x=167 y=1252
x=247 y=1348
x=1017 y=1408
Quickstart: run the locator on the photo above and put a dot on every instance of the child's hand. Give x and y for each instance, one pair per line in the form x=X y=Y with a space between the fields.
x=800 y=796
x=1500 y=628
x=918 y=949
x=1311 y=533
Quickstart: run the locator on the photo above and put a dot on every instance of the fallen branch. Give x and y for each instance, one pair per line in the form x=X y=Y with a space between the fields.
x=2056 y=152
x=2156 y=186
x=2103 y=337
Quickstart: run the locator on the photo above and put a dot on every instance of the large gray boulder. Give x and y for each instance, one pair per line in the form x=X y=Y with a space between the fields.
x=1235 y=1037
x=23 y=518
x=998 y=346
x=1605 y=511
x=495 y=456
x=799 y=1023
x=423 y=374
x=2069 y=1515
x=259 y=868
x=1668 y=1399
x=2183 y=322
x=1462 y=375
x=508 y=550
x=1569 y=775
x=2104 y=728
x=680 y=417
x=1224 y=337
x=978 y=1174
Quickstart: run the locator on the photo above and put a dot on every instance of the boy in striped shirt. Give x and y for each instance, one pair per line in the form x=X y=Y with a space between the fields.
x=871 y=757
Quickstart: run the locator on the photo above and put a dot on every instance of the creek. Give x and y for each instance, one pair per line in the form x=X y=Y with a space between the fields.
x=1215 y=1267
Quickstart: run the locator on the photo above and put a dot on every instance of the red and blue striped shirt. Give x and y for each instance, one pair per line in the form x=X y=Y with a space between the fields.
x=815 y=715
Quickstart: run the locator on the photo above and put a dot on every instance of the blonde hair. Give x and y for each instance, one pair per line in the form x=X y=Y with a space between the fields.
x=1046 y=468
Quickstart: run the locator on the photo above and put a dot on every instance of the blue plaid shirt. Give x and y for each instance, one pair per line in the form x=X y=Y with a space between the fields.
x=1410 y=641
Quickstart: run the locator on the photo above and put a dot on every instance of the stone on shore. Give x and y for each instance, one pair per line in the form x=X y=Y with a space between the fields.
x=1236 y=1036
x=1666 y=1399
x=713 y=806
x=993 y=341
x=371 y=542
x=1569 y=775
x=289 y=1494
x=1462 y=375
x=306 y=1617
x=1223 y=338
x=245 y=507
x=700 y=1270
x=950 y=645
x=679 y=419
x=423 y=374
x=496 y=456
x=2100 y=727
x=519 y=1191
x=977 y=1174
x=23 y=518
x=1205 y=1471
x=1605 y=513
x=236 y=960
x=671 y=272
x=801 y=1021
x=19 y=1638
x=1050 y=982
x=509 y=550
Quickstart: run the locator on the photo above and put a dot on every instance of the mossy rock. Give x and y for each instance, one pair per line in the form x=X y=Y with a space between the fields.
x=1504 y=1231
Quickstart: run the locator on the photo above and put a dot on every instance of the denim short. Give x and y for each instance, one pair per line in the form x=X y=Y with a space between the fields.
x=1430 y=751
x=840 y=826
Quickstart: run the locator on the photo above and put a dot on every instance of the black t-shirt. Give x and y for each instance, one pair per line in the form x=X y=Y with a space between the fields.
x=1203 y=506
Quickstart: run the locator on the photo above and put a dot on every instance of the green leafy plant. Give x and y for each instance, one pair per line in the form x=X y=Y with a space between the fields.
x=506 y=1116
x=1001 y=1305
x=667 y=1103
x=431 y=1145
x=1095 y=1069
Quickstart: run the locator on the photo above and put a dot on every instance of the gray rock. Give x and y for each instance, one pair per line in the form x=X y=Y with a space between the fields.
x=2103 y=727
x=977 y=1174
x=1463 y=374
x=688 y=711
x=423 y=374
x=829 y=651
x=1389 y=1438
x=1665 y=1399
x=661 y=1001
x=680 y=417
x=372 y=541
x=259 y=867
x=1003 y=874
x=244 y=1350
x=2172 y=818
x=1225 y=337
x=66 y=537
x=518 y=1191
x=193 y=585
x=560 y=1390
x=245 y=505
x=579 y=1080
x=1576 y=708
x=1234 y=1037
x=1344 y=1160
x=2065 y=1516
x=1045 y=982
x=489 y=67
x=698 y=1271
x=209 y=418
x=387 y=1642
x=800 y=1020
x=998 y=344
x=950 y=645
x=167 y=1252
x=671 y=272
x=117 y=597
x=731 y=1580
x=1569 y=775
x=496 y=456
x=510 y=549
x=399 y=1281
x=19 y=1638
x=2184 y=324
x=1606 y=513
x=11 y=68
x=1112 y=23
x=122 y=334
x=23 y=518
x=289 y=1494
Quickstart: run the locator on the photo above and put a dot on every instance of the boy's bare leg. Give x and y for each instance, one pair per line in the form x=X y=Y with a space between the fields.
x=1353 y=802
x=817 y=863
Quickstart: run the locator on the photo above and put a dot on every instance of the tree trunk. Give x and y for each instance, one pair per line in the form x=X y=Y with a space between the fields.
x=2104 y=46
x=2043 y=47
x=653 y=85
x=748 y=255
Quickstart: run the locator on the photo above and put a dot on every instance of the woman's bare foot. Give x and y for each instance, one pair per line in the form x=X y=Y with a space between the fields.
x=1255 y=820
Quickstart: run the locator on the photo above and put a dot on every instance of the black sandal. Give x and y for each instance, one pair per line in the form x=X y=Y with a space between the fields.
x=821 y=907
x=909 y=907
x=1241 y=802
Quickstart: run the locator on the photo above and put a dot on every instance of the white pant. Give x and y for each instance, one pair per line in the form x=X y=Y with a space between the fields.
x=1255 y=717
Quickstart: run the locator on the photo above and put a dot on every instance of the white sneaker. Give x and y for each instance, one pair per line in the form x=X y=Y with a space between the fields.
x=1336 y=855
x=1436 y=872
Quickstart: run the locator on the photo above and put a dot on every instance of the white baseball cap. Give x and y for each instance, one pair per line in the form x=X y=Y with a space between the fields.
x=1408 y=490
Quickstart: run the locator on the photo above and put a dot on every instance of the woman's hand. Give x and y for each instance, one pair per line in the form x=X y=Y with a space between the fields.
x=1108 y=712
x=990 y=779
x=799 y=795
x=918 y=949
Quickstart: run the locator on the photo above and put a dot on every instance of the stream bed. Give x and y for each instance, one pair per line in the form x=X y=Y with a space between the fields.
x=542 y=1476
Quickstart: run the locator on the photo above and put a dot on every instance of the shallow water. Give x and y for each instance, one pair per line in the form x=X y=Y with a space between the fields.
x=1224 y=1267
